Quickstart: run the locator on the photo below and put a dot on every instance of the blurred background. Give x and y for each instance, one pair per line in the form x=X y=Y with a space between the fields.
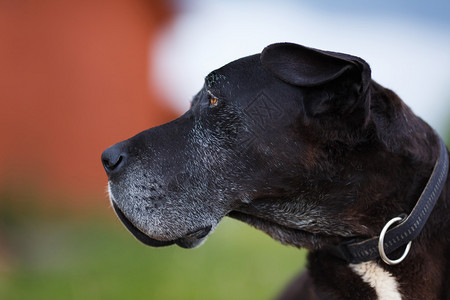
x=79 y=76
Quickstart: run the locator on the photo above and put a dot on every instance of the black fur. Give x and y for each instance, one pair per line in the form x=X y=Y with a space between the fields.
x=301 y=144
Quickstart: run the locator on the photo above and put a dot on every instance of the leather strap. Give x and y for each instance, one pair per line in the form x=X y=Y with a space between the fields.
x=360 y=251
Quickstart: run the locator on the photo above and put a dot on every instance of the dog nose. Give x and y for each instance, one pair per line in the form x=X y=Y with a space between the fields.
x=113 y=158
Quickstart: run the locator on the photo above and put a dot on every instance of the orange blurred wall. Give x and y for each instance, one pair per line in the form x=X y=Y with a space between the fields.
x=73 y=81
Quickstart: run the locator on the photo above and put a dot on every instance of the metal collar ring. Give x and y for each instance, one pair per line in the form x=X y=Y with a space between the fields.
x=381 y=244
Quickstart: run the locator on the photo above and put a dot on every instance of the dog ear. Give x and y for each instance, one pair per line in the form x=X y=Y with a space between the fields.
x=306 y=67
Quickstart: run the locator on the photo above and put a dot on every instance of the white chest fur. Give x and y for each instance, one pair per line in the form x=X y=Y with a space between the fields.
x=385 y=285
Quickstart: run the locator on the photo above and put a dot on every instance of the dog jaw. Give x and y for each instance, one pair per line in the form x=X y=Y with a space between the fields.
x=191 y=239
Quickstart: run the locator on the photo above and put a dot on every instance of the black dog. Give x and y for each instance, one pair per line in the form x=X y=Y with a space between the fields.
x=303 y=145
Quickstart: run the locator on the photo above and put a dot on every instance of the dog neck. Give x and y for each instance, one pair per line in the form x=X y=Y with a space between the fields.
x=422 y=276
x=294 y=223
x=407 y=230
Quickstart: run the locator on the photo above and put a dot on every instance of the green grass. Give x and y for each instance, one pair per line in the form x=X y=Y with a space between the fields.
x=93 y=259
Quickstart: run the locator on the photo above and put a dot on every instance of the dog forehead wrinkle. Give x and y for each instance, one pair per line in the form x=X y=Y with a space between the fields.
x=213 y=78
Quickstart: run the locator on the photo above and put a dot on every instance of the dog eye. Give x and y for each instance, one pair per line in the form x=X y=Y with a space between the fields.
x=213 y=101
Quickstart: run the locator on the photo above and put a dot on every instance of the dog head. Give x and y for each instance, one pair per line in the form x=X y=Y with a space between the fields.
x=268 y=140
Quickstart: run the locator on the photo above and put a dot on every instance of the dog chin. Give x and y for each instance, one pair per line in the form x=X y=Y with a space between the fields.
x=138 y=234
x=191 y=240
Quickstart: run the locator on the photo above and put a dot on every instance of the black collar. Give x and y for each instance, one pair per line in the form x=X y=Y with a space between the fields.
x=360 y=251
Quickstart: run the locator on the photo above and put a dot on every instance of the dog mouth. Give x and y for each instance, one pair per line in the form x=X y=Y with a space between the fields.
x=190 y=240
